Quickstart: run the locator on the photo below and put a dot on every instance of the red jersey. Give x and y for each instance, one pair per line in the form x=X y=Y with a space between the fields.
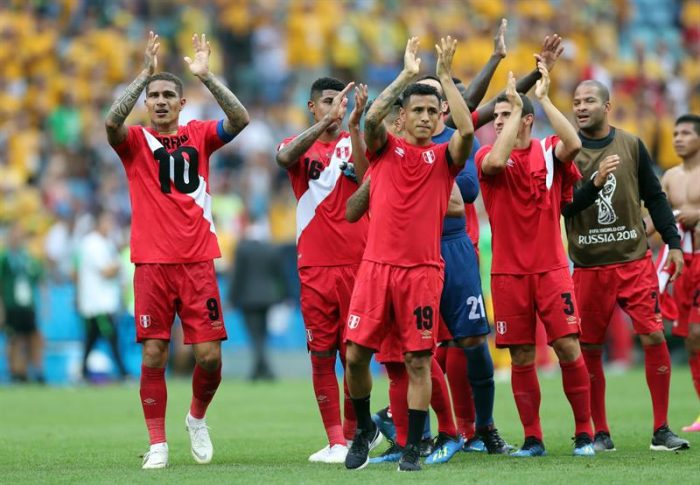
x=324 y=237
x=168 y=176
x=409 y=192
x=524 y=207
x=472 y=223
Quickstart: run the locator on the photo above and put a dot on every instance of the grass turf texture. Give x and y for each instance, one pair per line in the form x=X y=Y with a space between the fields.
x=264 y=433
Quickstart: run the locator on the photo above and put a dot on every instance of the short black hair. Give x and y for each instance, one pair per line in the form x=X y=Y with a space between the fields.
x=690 y=118
x=417 y=89
x=528 y=108
x=436 y=79
x=166 y=76
x=602 y=89
x=324 y=83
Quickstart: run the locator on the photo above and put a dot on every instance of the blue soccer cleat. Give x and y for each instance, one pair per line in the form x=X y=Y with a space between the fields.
x=445 y=448
x=383 y=420
x=532 y=447
x=391 y=455
x=474 y=445
x=583 y=445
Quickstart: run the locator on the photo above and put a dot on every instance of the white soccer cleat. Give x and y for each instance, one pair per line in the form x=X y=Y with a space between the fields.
x=202 y=449
x=156 y=457
x=330 y=454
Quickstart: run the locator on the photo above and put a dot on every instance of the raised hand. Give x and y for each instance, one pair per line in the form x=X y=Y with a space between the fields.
x=512 y=93
x=199 y=66
x=340 y=104
x=499 y=42
x=150 y=61
x=551 y=50
x=606 y=167
x=360 y=103
x=542 y=86
x=446 y=51
x=411 y=63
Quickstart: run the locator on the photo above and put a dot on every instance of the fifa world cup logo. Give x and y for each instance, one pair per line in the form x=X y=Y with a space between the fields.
x=606 y=213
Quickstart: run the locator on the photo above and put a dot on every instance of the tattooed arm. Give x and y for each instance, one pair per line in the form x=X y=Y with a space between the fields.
x=358 y=203
x=236 y=114
x=551 y=50
x=289 y=154
x=114 y=123
x=375 y=132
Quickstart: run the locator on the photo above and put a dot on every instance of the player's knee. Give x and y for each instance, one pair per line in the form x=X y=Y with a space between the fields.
x=471 y=341
x=209 y=361
x=154 y=353
x=567 y=348
x=357 y=356
x=653 y=338
x=522 y=354
x=417 y=362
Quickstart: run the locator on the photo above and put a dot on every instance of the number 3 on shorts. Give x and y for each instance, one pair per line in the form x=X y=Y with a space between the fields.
x=569 y=302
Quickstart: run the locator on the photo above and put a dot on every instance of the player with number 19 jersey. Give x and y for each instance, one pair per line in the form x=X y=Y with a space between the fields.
x=173 y=240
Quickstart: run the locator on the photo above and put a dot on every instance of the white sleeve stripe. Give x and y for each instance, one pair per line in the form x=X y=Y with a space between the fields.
x=548 y=162
x=321 y=188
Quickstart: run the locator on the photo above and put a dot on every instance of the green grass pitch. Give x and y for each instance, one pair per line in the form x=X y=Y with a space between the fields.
x=264 y=433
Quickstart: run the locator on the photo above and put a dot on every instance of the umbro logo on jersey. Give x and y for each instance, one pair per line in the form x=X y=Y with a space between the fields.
x=510 y=163
x=429 y=157
x=309 y=335
x=501 y=327
x=353 y=321
x=399 y=151
x=145 y=321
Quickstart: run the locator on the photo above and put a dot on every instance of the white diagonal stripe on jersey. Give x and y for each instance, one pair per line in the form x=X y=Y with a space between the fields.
x=548 y=162
x=200 y=196
x=320 y=189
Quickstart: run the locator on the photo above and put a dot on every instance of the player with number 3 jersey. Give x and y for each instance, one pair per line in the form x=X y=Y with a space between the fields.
x=173 y=240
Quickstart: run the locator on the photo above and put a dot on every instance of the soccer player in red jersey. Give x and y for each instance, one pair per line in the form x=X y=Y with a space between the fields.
x=522 y=180
x=173 y=241
x=400 y=273
x=612 y=260
x=682 y=184
x=329 y=248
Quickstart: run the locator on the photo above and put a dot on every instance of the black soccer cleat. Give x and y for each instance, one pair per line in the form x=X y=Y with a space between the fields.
x=666 y=440
x=495 y=445
x=603 y=442
x=364 y=441
x=426 y=447
x=410 y=459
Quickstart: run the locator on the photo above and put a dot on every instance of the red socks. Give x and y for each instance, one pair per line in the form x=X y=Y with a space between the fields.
x=461 y=391
x=440 y=401
x=204 y=386
x=526 y=391
x=154 y=397
x=658 y=370
x=694 y=362
x=398 y=399
x=577 y=388
x=594 y=364
x=327 y=396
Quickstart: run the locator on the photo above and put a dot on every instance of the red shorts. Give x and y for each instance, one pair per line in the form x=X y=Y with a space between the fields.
x=190 y=289
x=444 y=334
x=633 y=285
x=390 y=351
x=325 y=298
x=686 y=293
x=519 y=299
x=387 y=296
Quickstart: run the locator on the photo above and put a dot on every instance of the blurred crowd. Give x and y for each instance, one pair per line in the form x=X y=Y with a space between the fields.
x=65 y=61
